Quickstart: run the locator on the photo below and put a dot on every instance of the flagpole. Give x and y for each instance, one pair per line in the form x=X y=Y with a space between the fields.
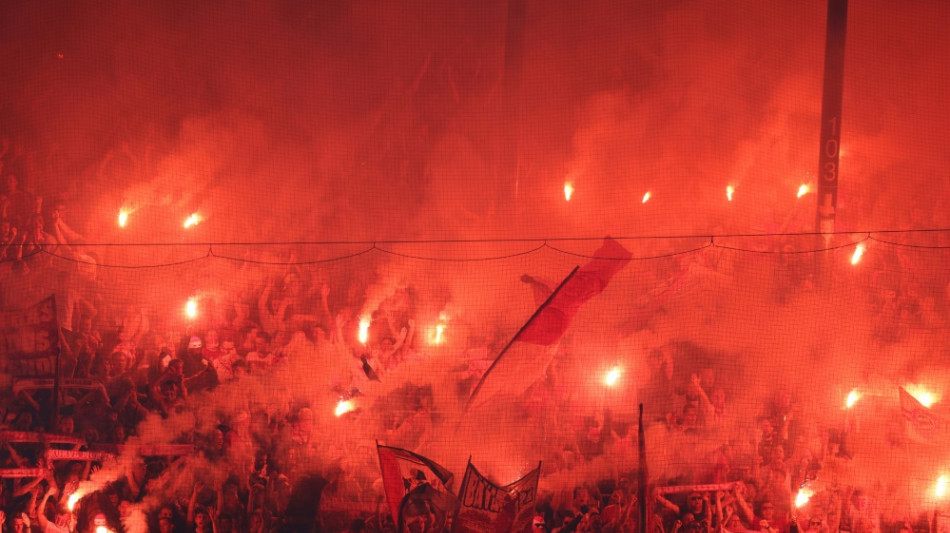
x=537 y=311
x=54 y=416
x=642 y=489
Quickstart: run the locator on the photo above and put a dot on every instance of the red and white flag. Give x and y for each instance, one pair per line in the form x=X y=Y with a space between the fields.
x=553 y=318
x=922 y=425
x=404 y=472
x=525 y=358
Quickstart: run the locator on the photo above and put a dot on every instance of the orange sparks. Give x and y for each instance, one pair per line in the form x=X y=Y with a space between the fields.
x=613 y=376
x=343 y=407
x=922 y=395
x=193 y=220
x=363 y=334
x=646 y=196
x=123 y=218
x=803 y=189
x=729 y=191
x=858 y=252
x=568 y=190
x=852 y=399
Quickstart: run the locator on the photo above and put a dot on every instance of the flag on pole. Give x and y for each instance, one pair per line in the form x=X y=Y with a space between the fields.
x=527 y=355
x=404 y=471
x=553 y=318
x=922 y=426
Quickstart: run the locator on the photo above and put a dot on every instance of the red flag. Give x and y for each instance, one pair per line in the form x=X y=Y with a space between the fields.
x=404 y=471
x=551 y=321
x=922 y=425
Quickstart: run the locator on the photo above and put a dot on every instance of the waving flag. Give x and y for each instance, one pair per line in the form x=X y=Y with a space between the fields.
x=521 y=362
x=922 y=426
x=552 y=319
x=406 y=472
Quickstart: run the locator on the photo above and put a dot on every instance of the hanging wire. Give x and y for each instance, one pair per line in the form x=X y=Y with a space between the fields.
x=641 y=258
x=129 y=267
x=906 y=245
x=542 y=244
x=521 y=239
x=291 y=263
x=466 y=259
x=789 y=252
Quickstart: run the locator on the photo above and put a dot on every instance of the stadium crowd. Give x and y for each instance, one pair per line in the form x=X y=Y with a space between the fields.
x=246 y=457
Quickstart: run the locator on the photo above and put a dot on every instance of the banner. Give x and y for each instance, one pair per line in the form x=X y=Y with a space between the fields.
x=49 y=383
x=488 y=508
x=404 y=471
x=30 y=340
x=76 y=455
x=7 y=473
x=39 y=438
x=709 y=487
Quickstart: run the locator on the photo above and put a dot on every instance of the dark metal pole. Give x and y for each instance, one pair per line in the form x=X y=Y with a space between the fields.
x=510 y=119
x=828 y=167
x=54 y=416
x=643 y=490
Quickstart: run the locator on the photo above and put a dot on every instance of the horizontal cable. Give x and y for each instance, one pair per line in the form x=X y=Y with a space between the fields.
x=467 y=259
x=539 y=240
x=711 y=242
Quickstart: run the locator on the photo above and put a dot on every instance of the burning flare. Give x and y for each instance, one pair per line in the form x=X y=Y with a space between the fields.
x=729 y=190
x=646 y=196
x=363 y=334
x=71 y=502
x=193 y=220
x=568 y=190
x=858 y=252
x=943 y=485
x=123 y=218
x=922 y=395
x=440 y=329
x=803 y=496
x=613 y=376
x=191 y=308
x=803 y=189
x=853 y=398
x=343 y=407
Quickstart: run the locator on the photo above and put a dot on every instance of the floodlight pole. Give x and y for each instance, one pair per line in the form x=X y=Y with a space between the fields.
x=833 y=88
